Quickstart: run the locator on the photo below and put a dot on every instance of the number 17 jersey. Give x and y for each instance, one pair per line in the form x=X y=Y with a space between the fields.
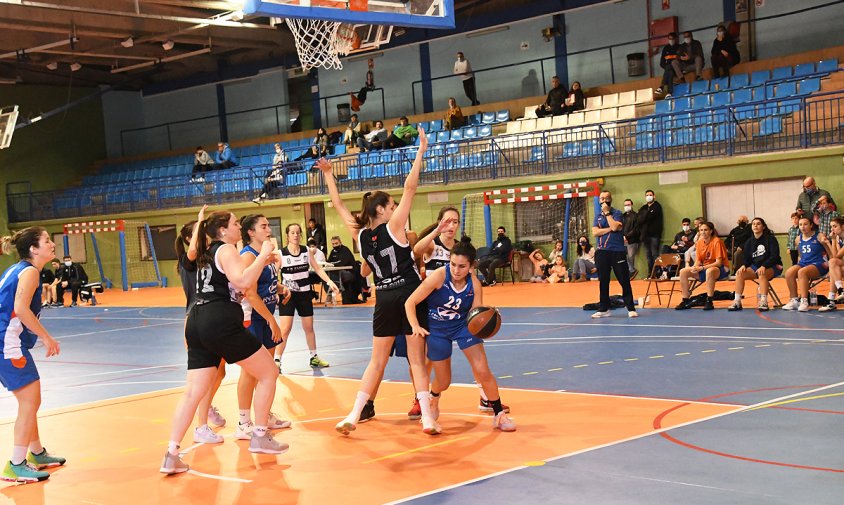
x=391 y=262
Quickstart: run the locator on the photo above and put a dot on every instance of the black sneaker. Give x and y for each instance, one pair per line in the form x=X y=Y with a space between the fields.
x=708 y=305
x=685 y=304
x=736 y=306
x=368 y=412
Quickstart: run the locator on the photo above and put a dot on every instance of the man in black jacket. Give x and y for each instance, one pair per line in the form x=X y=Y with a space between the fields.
x=553 y=105
x=316 y=232
x=72 y=276
x=736 y=239
x=341 y=256
x=670 y=63
x=499 y=254
x=650 y=227
x=631 y=236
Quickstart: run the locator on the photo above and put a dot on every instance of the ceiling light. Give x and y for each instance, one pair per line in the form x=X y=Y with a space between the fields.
x=75 y=66
x=128 y=42
x=52 y=65
x=167 y=45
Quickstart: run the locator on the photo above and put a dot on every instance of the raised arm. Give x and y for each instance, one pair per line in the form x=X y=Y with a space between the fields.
x=321 y=272
x=402 y=213
x=192 y=252
x=425 y=245
x=239 y=277
x=325 y=166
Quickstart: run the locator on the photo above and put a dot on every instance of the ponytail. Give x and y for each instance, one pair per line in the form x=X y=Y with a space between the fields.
x=209 y=228
x=369 y=207
x=22 y=241
x=6 y=244
x=182 y=240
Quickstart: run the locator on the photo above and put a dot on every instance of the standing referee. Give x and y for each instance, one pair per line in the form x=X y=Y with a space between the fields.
x=611 y=254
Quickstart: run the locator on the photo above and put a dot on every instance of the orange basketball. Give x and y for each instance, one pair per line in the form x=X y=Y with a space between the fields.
x=484 y=322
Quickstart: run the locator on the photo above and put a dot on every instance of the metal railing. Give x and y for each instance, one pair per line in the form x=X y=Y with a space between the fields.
x=753 y=127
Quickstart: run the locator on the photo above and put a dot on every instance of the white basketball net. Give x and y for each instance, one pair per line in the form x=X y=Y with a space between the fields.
x=320 y=43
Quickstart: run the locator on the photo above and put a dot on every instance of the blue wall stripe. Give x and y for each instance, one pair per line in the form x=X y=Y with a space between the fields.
x=427 y=87
x=561 y=62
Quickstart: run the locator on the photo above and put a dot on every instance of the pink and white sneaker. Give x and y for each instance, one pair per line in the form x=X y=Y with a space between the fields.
x=503 y=423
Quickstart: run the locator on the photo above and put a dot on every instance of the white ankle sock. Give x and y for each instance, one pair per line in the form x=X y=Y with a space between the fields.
x=360 y=402
x=424 y=398
x=244 y=416
x=259 y=431
x=839 y=284
x=738 y=297
x=35 y=447
x=173 y=448
x=18 y=454
x=832 y=295
x=763 y=298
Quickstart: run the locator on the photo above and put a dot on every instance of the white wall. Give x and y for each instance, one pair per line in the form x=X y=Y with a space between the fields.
x=798 y=33
x=267 y=89
x=121 y=110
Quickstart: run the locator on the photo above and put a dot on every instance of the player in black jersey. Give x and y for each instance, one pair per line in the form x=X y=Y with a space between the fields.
x=215 y=331
x=384 y=246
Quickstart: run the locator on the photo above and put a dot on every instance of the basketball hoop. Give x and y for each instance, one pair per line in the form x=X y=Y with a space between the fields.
x=319 y=42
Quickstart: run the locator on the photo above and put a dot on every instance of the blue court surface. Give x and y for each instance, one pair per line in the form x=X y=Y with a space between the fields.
x=786 y=367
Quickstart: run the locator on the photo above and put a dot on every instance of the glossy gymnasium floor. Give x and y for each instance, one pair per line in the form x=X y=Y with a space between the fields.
x=693 y=408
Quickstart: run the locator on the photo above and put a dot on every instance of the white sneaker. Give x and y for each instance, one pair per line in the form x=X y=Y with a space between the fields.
x=828 y=308
x=205 y=435
x=267 y=445
x=173 y=464
x=632 y=313
x=435 y=407
x=804 y=305
x=430 y=426
x=792 y=304
x=503 y=423
x=274 y=423
x=244 y=431
x=600 y=314
x=345 y=427
x=215 y=417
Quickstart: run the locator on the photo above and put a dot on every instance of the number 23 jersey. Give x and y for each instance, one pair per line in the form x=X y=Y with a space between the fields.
x=448 y=307
x=391 y=262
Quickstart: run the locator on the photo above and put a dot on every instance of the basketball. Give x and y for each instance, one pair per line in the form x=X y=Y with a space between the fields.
x=484 y=322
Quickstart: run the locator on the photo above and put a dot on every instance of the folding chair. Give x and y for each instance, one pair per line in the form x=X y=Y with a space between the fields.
x=509 y=264
x=772 y=293
x=664 y=261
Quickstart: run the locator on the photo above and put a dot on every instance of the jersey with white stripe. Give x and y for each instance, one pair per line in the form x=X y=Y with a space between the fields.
x=439 y=258
x=14 y=336
x=267 y=286
x=294 y=269
x=449 y=306
x=212 y=285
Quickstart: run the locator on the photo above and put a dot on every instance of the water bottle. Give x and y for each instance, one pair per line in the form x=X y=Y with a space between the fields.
x=813 y=297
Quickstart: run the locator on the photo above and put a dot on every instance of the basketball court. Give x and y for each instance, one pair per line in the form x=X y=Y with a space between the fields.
x=693 y=409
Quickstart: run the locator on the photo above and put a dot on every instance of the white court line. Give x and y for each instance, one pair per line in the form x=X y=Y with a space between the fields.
x=617 y=442
x=124 y=384
x=219 y=477
x=98 y=332
x=109 y=318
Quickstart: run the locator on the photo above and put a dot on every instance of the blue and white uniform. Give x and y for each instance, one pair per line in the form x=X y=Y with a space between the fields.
x=447 y=312
x=268 y=291
x=440 y=257
x=17 y=368
x=812 y=253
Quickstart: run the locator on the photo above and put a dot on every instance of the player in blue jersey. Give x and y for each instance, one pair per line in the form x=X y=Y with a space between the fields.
x=258 y=303
x=814 y=251
x=835 y=242
x=20 y=306
x=450 y=294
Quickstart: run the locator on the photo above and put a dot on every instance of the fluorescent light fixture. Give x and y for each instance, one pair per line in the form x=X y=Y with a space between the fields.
x=52 y=65
x=237 y=15
x=494 y=29
x=75 y=66
x=8 y=81
x=128 y=42
x=35 y=119
x=167 y=45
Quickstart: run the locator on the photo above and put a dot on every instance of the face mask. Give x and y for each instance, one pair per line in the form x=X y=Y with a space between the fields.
x=649 y=198
x=628 y=208
x=687 y=41
x=582 y=242
x=67 y=263
x=809 y=191
x=608 y=201
x=501 y=234
x=686 y=228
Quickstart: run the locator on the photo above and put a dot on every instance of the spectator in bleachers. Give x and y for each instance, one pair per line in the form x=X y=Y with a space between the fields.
x=670 y=63
x=576 y=100
x=369 y=85
x=807 y=202
x=584 y=266
x=319 y=146
x=710 y=266
x=499 y=254
x=814 y=251
x=725 y=54
x=736 y=239
x=352 y=133
x=630 y=231
x=650 y=227
x=374 y=139
x=792 y=237
x=202 y=162
x=402 y=136
x=463 y=68
x=275 y=175
x=454 y=118
x=553 y=105
x=762 y=262
x=826 y=212
x=691 y=56
x=224 y=157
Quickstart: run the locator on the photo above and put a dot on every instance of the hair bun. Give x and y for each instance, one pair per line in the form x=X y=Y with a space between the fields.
x=466 y=240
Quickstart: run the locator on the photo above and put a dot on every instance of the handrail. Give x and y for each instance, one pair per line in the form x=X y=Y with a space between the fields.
x=610 y=48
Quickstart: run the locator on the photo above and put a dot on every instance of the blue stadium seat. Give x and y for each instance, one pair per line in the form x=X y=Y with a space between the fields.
x=759 y=77
x=702 y=118
x=662 y=107
x=785 y=89
x=436 y=125
x=457 y=134
x=432 y=137
x=646 y=140
x=682 y=136
x=536 y=154
x=739 y=81
x=443 y=136
x=571 y=149
x=470 y=132
x=720 y=99
x=681 y=89
x=811 y=85
x=830 y=65
x=425 y=125
x=782 y=72
x=474 y=120
x=339 y=149
x=607 y=145
x=488 y=117
x=647 y=124
x=767 y=109
x=804 y=69
x=502 y=116
x=354 y=172
x=703 y=134
x=719 y=84
x=452 y=148
x=701 y=86
x=700 y=101
x=789 y=106
x=681 y=104
x=770 y=126
x=391 y=169
x=484 y=131
x=725 y=131
x=680 y=120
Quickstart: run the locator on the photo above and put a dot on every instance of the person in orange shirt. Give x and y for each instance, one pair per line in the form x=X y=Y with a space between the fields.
x=711 y=265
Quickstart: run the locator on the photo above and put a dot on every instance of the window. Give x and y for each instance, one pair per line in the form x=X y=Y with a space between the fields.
x=163 y=240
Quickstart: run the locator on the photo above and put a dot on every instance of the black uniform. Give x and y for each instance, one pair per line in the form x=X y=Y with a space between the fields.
x=214 y=328
x=187 y=272
x=295 y=275
x=396 y=277
x=439 y=258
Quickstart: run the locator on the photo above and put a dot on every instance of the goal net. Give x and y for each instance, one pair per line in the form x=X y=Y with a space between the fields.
x=123 y=252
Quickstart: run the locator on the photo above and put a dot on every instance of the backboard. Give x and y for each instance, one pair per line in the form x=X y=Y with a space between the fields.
x=8 y=118
x=409 y=13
